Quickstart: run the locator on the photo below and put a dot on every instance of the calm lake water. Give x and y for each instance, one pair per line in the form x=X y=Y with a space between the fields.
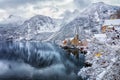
x=37 y=61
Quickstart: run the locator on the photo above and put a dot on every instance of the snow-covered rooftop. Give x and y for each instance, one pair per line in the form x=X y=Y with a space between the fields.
x=100 y=35
x=112 y=22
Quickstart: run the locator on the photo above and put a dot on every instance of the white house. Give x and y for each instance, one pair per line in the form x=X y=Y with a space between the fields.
x=113 y=24
x=100 y=37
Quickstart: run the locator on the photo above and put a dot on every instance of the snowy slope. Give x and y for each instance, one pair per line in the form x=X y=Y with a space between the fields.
x=100 y=10
x=38 y=27
x=86 y=21
x=43 y=27
x=69 y=16
x=69 y=29
x=41 y=23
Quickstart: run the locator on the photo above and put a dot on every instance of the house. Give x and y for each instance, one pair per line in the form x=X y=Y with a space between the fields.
x=100 y=37
x=110 y=25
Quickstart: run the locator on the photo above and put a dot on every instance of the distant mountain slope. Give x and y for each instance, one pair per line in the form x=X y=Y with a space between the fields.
x=41 y=23
x=44 y=28
x=89 y=21
x=12 y=20
x=38 y=27
x=100 y=9
x=69 y=29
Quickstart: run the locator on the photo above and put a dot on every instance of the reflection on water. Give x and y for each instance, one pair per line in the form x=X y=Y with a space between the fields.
x=37 y=61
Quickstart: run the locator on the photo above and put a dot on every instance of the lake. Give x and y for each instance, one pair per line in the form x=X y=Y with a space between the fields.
x=37 y=61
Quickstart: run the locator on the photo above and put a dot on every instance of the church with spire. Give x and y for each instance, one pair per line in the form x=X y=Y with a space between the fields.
x=75 y=41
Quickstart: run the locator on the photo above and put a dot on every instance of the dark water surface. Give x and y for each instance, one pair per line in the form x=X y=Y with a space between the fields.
x=37 y=61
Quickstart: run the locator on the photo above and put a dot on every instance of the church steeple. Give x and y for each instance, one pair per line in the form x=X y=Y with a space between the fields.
x=76 y=33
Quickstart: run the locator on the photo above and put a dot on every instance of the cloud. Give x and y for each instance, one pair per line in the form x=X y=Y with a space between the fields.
x=3 y=14
x=29 y=8
x=17 y=3
x=52 y=8
x=14 y=3
x=82 y=3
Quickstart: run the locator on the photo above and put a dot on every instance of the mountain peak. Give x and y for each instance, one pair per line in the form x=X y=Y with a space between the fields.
x=40 y=24
x=101 y=8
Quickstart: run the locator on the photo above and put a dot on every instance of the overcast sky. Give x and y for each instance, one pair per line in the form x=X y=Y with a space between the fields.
x=52 y=8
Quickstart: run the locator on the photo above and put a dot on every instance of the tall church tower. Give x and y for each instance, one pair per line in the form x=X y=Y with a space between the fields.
x=76 y=33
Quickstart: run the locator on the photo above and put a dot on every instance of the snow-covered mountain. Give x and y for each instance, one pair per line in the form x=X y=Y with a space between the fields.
x=69 y=16
x=40 y=24
x=100 y=10
x=13 y=20
x=36 y=28
x=45 y=28
x=86 y=22
x=69 y=29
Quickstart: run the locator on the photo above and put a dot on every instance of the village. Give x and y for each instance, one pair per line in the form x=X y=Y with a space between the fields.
x=101 y=50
